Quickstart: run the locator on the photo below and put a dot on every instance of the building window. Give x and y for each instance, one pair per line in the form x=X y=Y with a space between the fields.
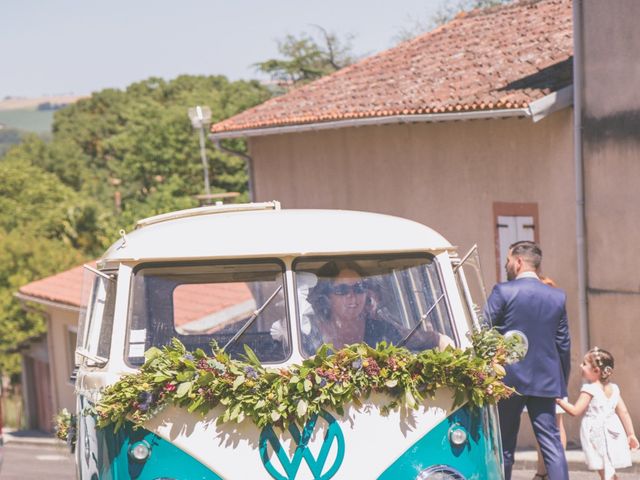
x=513 y=222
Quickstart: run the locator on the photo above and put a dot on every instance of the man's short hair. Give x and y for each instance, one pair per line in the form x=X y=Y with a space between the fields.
x=528 y=251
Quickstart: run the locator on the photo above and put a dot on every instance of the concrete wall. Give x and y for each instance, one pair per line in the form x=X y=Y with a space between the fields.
x=445 y=175
x=610 y=69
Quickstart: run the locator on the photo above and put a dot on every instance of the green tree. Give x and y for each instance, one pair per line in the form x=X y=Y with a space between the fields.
x=25 y=256
x=306 y=58
x=58 y=198
x=135 y=140
x=37 y=238
x=36 y=201
x=8 y=138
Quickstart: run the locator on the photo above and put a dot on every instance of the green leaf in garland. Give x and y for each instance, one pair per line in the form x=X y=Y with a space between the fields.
x=409 y=400
x=251 y=356
x=237 y=382
x=301 y=409
x=152 y=354
x=330 y=380
x=196 y=403
x=307 y=385
x=183 y=389
x=185 y=376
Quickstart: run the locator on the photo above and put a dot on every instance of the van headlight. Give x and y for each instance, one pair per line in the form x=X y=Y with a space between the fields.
x=457 y=435
x=140 y=451
x=440 y=472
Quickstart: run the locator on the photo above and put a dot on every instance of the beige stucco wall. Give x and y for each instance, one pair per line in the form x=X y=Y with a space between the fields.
x=445 y=175
x=60 y=322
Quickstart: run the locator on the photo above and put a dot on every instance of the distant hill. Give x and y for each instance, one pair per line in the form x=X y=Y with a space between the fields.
x=20 y=103
x=32 y=114
x=28 y=120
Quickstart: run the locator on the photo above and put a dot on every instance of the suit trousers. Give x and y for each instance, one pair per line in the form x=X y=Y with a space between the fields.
x=542 y=412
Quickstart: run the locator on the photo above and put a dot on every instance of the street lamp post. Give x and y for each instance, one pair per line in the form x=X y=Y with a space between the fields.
x=200 y=117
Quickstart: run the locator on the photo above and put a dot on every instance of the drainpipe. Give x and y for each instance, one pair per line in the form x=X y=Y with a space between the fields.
x=248 y=165
x=583 y=312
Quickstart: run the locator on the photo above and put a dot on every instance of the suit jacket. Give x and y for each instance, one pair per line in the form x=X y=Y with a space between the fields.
x=539 y=311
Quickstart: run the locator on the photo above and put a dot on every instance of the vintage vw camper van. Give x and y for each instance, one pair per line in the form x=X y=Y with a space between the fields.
x=283 y=283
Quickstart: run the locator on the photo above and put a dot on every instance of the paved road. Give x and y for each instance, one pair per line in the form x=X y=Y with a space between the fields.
x=574 y=475
x=28 y=462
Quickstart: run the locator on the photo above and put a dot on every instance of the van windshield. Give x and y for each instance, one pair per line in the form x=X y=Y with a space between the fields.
x=198 y=304
x=399 y=300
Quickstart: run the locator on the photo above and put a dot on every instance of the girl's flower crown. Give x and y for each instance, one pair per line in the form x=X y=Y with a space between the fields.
x=604 y=361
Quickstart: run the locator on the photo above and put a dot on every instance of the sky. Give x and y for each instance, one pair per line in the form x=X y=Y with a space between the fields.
x=55 y=47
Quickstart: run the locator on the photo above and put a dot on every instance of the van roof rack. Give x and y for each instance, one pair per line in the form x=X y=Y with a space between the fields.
x=208 y=210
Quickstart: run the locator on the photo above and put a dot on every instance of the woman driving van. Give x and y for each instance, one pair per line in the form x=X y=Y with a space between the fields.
x=348 y=308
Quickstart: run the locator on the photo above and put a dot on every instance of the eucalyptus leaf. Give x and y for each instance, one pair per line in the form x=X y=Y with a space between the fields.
x=238 y=381
x=183 y=389
x=301 y=408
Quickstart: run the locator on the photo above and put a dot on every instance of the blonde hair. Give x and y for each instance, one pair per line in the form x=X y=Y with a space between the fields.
x=602 y=360
x=547 y=281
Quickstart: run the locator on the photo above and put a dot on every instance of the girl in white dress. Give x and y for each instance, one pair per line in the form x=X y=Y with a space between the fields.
x=606 y=432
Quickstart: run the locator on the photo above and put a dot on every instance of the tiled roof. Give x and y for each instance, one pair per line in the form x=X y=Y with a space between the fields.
x=64 y=288
x=500 y=58
x=192 y=302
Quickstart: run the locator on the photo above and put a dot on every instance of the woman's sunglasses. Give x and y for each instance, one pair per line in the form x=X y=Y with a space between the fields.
x=345 y=289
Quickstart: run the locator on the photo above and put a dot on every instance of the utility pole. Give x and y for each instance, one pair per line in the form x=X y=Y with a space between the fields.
x=200 y=117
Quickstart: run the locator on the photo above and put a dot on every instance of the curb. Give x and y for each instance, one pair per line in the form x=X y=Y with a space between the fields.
x=527 y=460
x=31 y=437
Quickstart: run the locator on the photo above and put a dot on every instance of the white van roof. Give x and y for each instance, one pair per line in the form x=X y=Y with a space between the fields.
x=268 y=232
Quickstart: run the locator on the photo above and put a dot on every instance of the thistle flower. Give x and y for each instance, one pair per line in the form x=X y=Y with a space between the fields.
x=145 y=399
x=372 y=368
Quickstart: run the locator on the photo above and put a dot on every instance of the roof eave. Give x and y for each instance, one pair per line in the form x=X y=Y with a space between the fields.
x=536 y=111
x=46 y=302
x=374 y=121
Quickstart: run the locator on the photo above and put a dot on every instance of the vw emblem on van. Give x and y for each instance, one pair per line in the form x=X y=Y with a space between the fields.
x=282 y=465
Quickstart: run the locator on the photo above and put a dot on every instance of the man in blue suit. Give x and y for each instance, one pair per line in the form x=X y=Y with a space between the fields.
x=526 y=304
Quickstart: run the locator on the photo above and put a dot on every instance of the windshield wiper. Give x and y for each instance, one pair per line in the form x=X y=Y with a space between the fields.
x=253 y=316
x=423 y=317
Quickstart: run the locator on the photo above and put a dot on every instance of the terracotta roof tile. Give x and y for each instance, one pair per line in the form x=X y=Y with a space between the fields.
x=502 y=57
x=64 y=288
x=191 y=301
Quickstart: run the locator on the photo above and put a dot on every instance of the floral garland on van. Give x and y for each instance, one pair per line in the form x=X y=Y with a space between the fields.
x=329 y=380
x=65 y=426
